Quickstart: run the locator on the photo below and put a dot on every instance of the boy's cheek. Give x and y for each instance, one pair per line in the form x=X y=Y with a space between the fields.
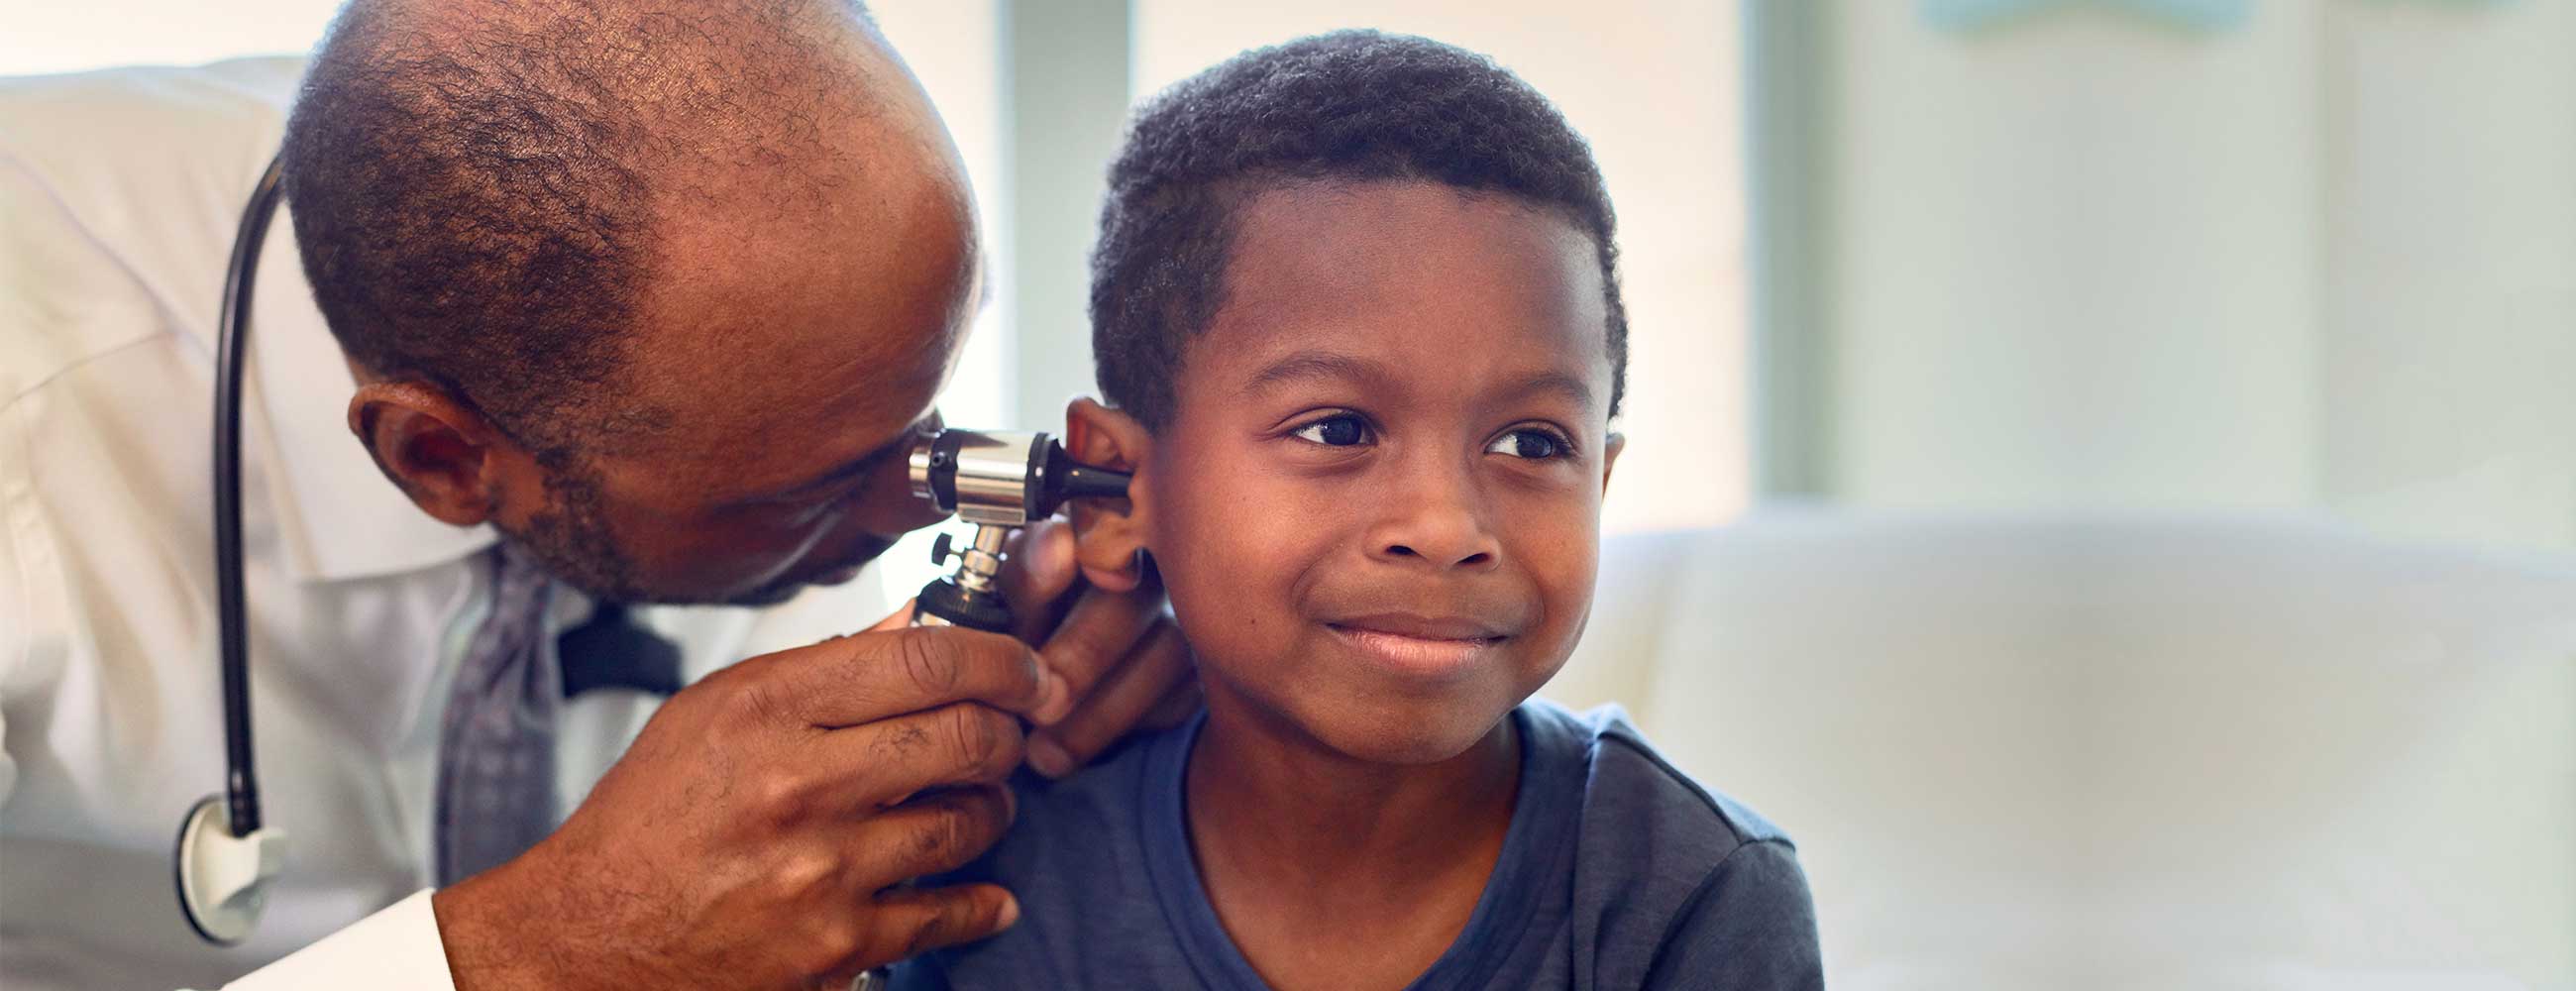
x=1236 y=553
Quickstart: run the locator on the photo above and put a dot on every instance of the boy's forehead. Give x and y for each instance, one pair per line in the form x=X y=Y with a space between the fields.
x=1363 y=237
x=1413 y=277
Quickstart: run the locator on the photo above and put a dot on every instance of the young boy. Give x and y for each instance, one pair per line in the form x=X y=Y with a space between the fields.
x=1358 y=325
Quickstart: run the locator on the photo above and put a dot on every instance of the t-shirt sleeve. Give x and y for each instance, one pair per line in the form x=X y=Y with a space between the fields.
x=1751 y=925
x=921 y=973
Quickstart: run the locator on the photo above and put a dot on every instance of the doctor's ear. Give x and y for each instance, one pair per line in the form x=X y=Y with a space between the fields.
x=1109 y=534
x=452 y=462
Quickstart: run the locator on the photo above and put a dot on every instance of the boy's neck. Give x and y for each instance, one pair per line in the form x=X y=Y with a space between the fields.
x=1297 y=841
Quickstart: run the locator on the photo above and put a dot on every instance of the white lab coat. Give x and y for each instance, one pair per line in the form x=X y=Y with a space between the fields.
x=120 y=192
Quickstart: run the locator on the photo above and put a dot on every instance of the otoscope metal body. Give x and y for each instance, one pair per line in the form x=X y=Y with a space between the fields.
x=1000 y=481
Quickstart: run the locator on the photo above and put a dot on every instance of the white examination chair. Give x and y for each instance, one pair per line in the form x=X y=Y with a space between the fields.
x=2124 y=751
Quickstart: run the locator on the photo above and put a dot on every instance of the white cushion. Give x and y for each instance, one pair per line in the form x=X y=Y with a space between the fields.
x=2124 y=751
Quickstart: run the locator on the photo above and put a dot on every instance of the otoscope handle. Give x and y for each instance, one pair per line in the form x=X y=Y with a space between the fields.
x=971 y=596
x=945 y=603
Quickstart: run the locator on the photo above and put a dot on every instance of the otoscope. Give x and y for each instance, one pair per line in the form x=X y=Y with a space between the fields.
x=1000 y=481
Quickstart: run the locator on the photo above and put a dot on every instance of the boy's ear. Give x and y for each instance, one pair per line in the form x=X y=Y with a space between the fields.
x=1610 y=448
x=1109 y=534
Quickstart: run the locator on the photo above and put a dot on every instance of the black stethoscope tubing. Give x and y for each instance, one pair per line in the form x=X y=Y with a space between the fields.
x=232 y=336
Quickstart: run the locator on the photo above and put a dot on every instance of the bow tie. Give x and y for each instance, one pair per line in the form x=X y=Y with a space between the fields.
x=612 y=650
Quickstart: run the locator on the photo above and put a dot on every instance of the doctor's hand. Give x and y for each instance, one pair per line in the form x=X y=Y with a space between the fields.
x=1121 y=657
x=754 y=834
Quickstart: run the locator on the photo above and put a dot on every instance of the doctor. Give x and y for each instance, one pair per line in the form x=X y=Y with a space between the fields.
x=628 y=304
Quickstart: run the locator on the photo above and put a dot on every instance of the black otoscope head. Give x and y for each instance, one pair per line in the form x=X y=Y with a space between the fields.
x=1067 y=480
x=999 y=481
x=1007 y=478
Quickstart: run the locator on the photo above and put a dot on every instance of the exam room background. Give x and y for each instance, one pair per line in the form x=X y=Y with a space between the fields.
x=2277 y=298
x=2310 y=255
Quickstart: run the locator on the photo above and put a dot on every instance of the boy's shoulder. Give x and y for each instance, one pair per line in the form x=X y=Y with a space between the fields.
x=1077 y=858
x=1096 y=812
x=1629 y=781
x=1666 y=868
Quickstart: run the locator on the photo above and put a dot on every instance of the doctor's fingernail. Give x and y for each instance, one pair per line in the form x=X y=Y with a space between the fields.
x=1049 y=758
x=1055 y=698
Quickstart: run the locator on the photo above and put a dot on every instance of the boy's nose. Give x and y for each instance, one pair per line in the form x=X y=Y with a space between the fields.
x=1436 y=525
x=1442 y=555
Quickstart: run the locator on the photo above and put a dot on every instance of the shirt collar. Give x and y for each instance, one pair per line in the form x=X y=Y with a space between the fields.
x=338 y=516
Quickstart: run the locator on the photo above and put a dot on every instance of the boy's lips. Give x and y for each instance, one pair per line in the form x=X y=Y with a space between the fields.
x=1431 y=646
x=1420 y=627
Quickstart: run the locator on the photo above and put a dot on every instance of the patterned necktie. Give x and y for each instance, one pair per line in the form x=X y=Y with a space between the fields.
x=496 y=747
x=496 y=753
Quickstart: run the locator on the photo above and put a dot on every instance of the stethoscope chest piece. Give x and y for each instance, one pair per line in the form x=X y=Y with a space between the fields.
x=223 y=879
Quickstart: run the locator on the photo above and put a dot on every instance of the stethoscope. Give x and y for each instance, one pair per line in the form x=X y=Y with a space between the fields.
x=226 y=856
x=999 y=481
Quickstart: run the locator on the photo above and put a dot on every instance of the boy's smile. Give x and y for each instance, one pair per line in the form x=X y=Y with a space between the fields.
x=1377 y=505
x=1418 y=645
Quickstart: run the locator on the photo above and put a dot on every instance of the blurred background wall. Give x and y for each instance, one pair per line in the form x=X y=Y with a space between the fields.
x=2308 y=254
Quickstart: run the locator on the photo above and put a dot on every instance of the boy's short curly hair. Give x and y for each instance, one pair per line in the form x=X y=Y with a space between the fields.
x=1349 y=105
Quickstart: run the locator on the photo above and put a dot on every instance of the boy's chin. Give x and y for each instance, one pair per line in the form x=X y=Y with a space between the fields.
x=1405 y=733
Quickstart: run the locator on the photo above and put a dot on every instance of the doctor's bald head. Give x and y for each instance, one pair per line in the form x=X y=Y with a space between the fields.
x=616 y=275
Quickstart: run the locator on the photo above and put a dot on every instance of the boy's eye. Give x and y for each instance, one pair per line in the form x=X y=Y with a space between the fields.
x=1342 y=430
x=1531 y=443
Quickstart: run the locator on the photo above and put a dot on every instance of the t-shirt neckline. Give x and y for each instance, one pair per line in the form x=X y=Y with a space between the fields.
x=1534 y=846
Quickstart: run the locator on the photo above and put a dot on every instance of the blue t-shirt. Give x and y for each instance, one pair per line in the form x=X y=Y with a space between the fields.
x=1617 y=871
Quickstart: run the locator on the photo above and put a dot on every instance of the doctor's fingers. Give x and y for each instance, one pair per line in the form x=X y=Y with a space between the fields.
x=1121 y=702
x=909 y=922
x=933 y=833
x=1103 y=630
x=884 y=763
x=1038 y=568
x=866 y=677
x=1177 y=706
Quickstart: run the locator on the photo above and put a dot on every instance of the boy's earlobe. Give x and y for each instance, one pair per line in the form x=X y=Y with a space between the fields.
x=1610 y=448
x=1109 y=534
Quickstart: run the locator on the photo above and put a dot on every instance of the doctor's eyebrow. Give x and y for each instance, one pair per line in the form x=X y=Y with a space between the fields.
x=854 y=468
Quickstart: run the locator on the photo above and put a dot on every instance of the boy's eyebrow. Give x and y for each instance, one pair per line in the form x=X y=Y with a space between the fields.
x=1575 y=390
x=1306 y=365
x=1310 y=365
